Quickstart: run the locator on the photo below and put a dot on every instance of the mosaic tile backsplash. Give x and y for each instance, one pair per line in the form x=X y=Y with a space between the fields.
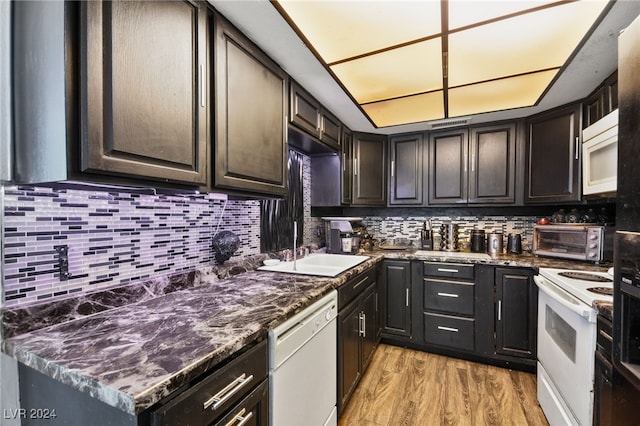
x=407 y=229
x=113 y=238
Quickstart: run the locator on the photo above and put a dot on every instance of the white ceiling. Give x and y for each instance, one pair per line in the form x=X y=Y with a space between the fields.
x=262 y=23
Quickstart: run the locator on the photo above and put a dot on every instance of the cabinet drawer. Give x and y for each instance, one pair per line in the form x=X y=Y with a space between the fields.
x=253 y=410
x=230 y=383
x=449 y=270
x=604 y=339
x=448 y=296
x=356 y=285
x=453 y=332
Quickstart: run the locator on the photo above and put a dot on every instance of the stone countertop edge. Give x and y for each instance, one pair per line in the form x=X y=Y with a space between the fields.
x=133 y=394
x=122 y=393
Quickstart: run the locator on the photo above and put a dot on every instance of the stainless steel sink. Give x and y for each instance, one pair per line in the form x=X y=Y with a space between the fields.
x=324 y=265
x=456 y=254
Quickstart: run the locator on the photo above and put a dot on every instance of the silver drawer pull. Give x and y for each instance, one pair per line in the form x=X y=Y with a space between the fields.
x=455 y=271
x=448 y=294
x=606 y=335
x=440 y=327
x=238 y=418
x=231 y=389
x=360 y=283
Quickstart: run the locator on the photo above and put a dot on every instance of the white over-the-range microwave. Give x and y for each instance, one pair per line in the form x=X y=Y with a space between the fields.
x=600 y=156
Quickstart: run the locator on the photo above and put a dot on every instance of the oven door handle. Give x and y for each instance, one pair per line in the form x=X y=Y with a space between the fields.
x=565 y=299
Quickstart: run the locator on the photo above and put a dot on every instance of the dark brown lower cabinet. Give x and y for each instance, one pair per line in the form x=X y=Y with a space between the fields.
x=516 y=308
x=357 y=332
x=395 y=298
x=479 y=312
x=603 y=375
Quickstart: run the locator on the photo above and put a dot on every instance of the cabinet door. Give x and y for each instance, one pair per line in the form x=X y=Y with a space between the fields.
x=396 y=284
x=516 y=312
x=492 y=176
x=603 y=392
x=369 y=170
x=250 y=108
x=305 y=110
x=448 y=158
x=369 y=325
x=349 y=323
x=144 y=100
x=553 y=157
x=330 y=129
x=347 y=166
x=406 y=170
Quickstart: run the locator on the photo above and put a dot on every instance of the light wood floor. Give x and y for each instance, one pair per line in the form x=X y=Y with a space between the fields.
x=407 y=387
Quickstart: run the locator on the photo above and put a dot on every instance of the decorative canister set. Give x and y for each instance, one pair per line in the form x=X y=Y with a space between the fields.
x=480 y=242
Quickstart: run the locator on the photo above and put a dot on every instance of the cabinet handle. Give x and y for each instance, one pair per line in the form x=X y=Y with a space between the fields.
x=202 y=88
x=393 y=163
x=231 y=389
x=238 y=418
x=361 y=324
x=344 y=162
x=455 y=271
x=473 y=162
x=364 y=280
x=606 y=335
x=355 y=167
x=441 y=327
x=499 y=310
x=448 y=295
x=577 y=148
x=407 y=297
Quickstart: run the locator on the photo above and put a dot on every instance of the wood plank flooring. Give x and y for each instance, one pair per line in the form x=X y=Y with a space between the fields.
x=408 y=387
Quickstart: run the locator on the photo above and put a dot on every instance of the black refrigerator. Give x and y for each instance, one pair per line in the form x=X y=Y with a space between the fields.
x=626 y=311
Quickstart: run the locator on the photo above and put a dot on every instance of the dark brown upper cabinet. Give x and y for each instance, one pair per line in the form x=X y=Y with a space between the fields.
x=602 y=101
x=406 y=170
x=448 y=159
x=474 y=166
x=347 y=166
x=492 y=164
x=143 y=74
x=310 y=116
x=369 y=170
x=249 y=125
x=553 y=156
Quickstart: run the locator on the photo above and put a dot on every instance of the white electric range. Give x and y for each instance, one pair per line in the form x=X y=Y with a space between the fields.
x=567 y=341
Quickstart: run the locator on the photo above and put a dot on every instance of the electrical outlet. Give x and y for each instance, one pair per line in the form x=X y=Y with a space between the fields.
x=63 y=261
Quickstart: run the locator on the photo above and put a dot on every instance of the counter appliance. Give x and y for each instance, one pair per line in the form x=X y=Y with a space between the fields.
x=592 y=243
x=567 y=342
x=303 y=366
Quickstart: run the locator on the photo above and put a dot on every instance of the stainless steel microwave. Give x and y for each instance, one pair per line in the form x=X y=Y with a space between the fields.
x=592 y=243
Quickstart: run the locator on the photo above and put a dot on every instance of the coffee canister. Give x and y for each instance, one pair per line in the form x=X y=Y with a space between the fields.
x=478 y=241
x=514 y=244
x=494 y=243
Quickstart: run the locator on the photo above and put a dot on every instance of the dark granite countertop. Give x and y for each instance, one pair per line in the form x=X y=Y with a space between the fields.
x=525 y=260
x=605 y=309
x=131 y=356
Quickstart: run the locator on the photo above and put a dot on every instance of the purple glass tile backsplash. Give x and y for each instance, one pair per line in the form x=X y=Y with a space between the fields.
x=113 y=238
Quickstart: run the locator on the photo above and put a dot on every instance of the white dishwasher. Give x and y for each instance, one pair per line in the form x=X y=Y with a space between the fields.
x=302 y=367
